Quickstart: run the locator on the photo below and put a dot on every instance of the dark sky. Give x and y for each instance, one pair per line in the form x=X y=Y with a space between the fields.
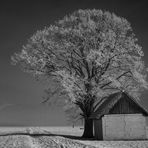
x=20 y=94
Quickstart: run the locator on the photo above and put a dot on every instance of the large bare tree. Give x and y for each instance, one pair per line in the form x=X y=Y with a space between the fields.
x=89 y=55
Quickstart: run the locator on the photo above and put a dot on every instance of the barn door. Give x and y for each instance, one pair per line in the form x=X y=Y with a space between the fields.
x=113 y=127
x=125 y=126
x=135 y=127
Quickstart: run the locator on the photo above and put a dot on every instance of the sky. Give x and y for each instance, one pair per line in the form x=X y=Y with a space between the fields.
x=20 y=94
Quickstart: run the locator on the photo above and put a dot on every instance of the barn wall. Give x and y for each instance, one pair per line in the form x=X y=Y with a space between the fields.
x=124 y=127
x=146 y=132
x=98 y=129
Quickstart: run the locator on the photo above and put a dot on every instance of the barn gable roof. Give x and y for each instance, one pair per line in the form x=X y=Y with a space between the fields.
x=106 y=104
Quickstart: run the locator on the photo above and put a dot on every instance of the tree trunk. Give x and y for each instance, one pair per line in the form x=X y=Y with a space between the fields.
x=88 y=128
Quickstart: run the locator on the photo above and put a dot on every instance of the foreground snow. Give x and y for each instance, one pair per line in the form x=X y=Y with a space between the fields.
x=117 y=144
x=26 y=141
x=35 y=137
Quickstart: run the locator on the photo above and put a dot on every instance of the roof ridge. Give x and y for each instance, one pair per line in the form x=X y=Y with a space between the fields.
x=106 y=104
x=137 y=102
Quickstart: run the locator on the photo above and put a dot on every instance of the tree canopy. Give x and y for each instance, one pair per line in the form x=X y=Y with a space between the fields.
x=90 y=54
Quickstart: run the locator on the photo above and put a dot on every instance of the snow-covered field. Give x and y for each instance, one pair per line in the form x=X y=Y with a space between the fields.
x=59 y=130
x=22 y=141
x=46 y=139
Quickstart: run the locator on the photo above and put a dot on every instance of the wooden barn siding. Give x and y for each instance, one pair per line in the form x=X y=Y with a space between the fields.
x=125 y=106
x=98 y=131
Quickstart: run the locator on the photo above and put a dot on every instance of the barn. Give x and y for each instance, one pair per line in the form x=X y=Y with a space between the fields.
x=119 y=117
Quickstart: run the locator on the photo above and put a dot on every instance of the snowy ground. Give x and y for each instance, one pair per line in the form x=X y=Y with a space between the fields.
x=24 y=141
x=44 y=139
x=117 y=144
x=59 y=130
